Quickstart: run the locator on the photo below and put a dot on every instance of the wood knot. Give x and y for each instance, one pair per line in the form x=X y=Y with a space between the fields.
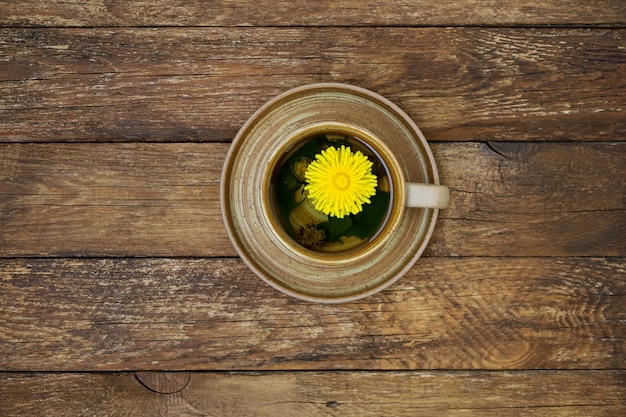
x=164 y=382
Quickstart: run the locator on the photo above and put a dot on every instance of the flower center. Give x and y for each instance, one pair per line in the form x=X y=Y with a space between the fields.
x=341 y=181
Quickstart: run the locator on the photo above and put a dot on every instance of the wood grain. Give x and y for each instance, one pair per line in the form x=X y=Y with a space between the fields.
x=115 y=118
x=454 y=394
x=202 y=84
x=299 y=13
x=507 y=199
x=164 y=382
x=116 y=199
x=215 y=314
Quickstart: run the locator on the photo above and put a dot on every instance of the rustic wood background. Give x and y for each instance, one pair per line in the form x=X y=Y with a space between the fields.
x=122 y=295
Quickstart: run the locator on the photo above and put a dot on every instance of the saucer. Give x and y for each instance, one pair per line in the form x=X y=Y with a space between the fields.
x=245 y=191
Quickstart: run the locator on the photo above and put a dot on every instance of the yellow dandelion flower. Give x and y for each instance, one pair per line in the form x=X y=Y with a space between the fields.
x=340 y=181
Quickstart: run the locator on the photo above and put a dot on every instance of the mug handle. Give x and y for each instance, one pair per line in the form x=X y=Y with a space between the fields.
x=427 y=195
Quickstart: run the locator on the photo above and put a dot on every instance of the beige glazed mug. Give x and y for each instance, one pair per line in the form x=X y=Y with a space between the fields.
x=275 y=223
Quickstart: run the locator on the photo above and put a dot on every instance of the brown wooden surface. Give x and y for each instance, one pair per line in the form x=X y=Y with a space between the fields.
x=120 y=293
x=289 y=13
x=163 y=200
x=207 y=314
x=402 y=394
x=141 y=84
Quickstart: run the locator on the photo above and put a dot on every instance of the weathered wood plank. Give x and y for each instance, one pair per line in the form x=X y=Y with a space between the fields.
x=510 y=199
x=531 y=393
x=215 y=314
x=201 y=84
x=297 y=13
x=532 y=199
x=477 y=84
x=145 y=84
x=117 y=199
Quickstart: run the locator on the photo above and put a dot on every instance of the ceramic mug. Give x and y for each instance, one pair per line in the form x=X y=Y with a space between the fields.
x=332 y=112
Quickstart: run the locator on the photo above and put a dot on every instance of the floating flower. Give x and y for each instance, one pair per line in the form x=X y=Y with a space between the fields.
x=310 y=236
x=299 y=168
x=340 y=181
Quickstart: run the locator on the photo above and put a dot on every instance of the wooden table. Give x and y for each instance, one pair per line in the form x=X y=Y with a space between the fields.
x=122 y=295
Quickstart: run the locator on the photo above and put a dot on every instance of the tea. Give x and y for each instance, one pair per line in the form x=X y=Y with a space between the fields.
x=323 y=224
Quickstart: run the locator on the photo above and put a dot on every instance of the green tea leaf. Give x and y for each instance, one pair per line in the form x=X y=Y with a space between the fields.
x=367 y=221
x=337 y=227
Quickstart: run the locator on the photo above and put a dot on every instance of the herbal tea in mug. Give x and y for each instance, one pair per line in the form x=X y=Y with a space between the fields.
x=331 y=192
